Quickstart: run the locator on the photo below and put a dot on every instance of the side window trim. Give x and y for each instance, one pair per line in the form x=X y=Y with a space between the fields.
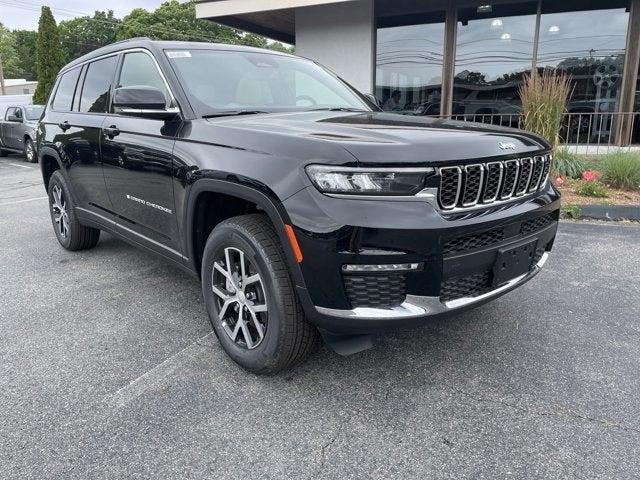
x=75 y=105
x=173 y=102
x=57 y=87
x=86 y=66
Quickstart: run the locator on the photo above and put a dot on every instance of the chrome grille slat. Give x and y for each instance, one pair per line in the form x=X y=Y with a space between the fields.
x=482 y=184
x=450 y=186
x=473 y=178
x=526 y=169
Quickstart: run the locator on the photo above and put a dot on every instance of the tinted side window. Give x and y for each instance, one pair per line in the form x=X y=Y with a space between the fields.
x=139 y=69
x=66 y=88
x=97 y=85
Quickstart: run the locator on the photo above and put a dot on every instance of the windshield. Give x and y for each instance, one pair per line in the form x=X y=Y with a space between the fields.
x=33 y=112
x=236 y=81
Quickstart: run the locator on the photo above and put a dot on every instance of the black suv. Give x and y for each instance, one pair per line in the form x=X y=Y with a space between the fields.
x=303 y=208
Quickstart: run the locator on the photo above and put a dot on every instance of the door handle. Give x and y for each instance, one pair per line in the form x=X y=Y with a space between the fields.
x=111 y=131
x=64 y=126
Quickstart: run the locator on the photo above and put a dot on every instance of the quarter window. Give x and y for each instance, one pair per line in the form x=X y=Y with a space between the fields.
x=66 y=88
x=97 y=86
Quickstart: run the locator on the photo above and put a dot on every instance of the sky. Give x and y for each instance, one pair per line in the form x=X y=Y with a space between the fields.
x=23 y=14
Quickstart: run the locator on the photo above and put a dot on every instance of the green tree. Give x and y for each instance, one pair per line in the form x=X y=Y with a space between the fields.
x=174 y=20
x=81 y=35
x=26 y=50
x=8 y=52
x=48 y=55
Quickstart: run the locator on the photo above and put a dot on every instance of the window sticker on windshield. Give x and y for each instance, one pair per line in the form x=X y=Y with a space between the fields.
x=179 y=54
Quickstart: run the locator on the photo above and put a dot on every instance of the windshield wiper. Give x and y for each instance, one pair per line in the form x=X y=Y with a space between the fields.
x=336 y=109
x=230 y=113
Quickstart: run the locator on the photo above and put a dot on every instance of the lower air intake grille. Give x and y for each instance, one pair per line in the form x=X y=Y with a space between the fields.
x=376 y=290
x=536 y=224
x=475 y=240
x=469 y=286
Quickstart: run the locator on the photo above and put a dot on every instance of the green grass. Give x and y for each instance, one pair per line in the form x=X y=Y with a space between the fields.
x=567 y=164
x=621 y=170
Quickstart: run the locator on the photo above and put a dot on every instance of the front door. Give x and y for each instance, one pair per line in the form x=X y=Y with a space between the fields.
x=137 y=156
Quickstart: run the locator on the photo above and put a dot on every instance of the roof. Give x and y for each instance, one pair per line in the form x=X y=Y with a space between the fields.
x=158 y=45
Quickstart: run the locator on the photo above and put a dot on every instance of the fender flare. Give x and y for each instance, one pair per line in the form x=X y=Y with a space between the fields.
x=271 y=205
x=50 y=152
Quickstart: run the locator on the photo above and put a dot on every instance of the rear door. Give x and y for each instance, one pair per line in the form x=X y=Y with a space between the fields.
x=76 y=114
x=137 y=155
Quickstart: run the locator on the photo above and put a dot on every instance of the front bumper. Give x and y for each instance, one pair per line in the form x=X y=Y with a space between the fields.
x=333 y=232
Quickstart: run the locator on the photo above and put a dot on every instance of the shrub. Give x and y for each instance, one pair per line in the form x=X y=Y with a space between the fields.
x=572 y=210
x=544 y=100
x=592 y=189
x=622 y=170
x=567 y=164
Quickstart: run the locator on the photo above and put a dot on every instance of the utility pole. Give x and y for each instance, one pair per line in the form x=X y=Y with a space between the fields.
x=2 y=89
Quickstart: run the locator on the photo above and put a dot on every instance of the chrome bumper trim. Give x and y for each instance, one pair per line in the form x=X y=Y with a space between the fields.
x=416 y=306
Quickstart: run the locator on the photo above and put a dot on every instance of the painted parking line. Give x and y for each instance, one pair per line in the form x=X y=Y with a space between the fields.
x=22 y=201
x=21 y=166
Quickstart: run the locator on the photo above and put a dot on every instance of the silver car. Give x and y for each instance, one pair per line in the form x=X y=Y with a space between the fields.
x=18 y=131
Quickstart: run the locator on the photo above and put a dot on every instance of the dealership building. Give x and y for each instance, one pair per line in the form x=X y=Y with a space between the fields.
x=463 y=58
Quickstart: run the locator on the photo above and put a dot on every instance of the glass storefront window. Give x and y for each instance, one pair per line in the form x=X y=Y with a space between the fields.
x=494 y=50
x=589 y=46
x=409 y=67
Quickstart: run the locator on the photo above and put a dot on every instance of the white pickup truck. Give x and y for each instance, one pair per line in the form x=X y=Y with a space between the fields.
x=18 y=130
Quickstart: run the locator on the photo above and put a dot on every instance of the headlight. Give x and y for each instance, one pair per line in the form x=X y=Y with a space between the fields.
x=368 y=181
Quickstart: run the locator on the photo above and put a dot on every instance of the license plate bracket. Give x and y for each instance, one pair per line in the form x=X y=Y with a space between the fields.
x=513 y=261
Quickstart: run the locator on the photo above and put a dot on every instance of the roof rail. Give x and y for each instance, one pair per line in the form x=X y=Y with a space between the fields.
x=130 y=40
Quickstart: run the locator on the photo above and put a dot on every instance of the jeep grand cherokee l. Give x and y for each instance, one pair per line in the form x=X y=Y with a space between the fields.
x=304 y=210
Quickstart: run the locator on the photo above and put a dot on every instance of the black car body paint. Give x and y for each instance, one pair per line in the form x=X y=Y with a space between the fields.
x=141 y=178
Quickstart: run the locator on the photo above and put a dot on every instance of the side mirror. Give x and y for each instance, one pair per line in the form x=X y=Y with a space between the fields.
x=142 y=101
x=13 y=118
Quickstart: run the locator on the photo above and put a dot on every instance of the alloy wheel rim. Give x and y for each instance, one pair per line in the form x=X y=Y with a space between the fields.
x=30 y=151
x=240 y=298
x=59 y=207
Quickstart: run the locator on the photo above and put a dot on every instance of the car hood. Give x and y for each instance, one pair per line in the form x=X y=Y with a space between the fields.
x=378 y=137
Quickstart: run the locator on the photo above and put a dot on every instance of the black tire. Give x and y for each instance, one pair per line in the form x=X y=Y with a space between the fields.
x=30 y=151
x=3 y=153
x=288 y=338
x=75 y=236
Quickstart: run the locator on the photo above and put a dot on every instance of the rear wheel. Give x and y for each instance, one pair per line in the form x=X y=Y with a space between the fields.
x=30 y=151
x=251 y=299
x=71 y=234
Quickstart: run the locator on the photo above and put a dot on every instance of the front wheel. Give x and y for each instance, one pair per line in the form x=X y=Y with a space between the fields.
x=71 y=234
x=250 y=297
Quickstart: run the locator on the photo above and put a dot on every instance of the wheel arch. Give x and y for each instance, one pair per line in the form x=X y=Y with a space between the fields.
x=267 y=203
x=49 y=162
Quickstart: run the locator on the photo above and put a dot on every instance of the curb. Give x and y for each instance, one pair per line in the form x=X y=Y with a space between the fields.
x=611 y=212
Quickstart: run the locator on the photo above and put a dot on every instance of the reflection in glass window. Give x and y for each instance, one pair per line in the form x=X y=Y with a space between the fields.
x=589 y=46
x=409 y=68
x=493 y=51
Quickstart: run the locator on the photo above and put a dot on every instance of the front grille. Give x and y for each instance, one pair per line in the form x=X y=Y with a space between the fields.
x=485 y=183
x=376 y=290
x=467 y=286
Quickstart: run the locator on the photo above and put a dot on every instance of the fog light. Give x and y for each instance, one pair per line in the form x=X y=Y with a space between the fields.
x=392 y=267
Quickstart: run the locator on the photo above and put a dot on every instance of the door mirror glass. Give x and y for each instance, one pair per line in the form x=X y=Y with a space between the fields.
x=142 y=101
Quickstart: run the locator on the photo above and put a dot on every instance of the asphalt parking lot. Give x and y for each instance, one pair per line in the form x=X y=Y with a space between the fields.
x=108 y=369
